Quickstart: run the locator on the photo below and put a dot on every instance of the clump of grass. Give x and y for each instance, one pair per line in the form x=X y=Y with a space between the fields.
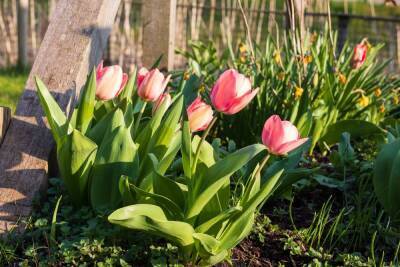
x=12 y=82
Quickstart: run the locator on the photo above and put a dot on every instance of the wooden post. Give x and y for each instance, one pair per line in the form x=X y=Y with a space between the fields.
x=398 y=45
x=73 y=44
x=23 y=6
x=5 y=117
x=158 y=18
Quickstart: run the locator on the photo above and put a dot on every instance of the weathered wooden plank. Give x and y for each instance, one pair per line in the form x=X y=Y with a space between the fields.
x=5 y=117
x=159 y=18
x=73 y=44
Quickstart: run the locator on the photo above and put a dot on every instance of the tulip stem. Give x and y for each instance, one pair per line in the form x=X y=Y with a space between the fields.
x=139 y=118
x=262 y=164
x=205 y=134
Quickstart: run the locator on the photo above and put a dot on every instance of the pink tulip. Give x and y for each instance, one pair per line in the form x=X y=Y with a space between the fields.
x=200 y=115
x=281 y=137
x=232 y=92
x=141 y=75
x=359 y=55
x=151 y=85
x=110 y=81
x=164 y=97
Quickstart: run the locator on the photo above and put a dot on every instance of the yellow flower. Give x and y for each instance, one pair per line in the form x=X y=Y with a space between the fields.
x=242 y=48
x=186 y=75
x=363 y=101
x=307 y=59
x=378 y=92
x=277 y=57
x=281 y=76
x=298 y=92
x=396 y=99
x=382 y=108
x=342 y=78
x=314 y=37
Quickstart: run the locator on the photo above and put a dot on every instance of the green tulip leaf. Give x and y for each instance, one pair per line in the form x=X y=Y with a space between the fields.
x=151 y=219
x=76 y=154
x=55 y=116
x=116 y=156
x=86 y=104
x=386 y=178
x=356 y=128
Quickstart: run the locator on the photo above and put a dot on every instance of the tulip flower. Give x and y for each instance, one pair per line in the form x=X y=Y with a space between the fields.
x=281 y=137
x=359 y=55
x=232 y=92
x=141 y=75
x=151 y=84
x=110 y=81
x=164 y=97
x=200 y=115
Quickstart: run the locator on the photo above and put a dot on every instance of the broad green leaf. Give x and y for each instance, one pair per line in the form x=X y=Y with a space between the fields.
x=170 y=154
x=357 y=128
x=116 y=156
x=386 y=178
x=186 y=150
x=166 y=187
x=130 y=87
x=172 y=209
x=210 y=182
x=206 y=245
x=238 y=228
x=151 y=219
x=86 y=104
x=75 y=155
x=106 y=125
x=217 y=220
x=55 y=116
x=128 y=196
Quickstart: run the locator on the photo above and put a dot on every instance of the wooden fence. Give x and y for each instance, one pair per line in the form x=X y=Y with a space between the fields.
x=204 y=20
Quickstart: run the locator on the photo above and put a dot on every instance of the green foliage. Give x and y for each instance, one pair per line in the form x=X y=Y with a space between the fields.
x=387 y=178
x=313 y=86
x=194 y=211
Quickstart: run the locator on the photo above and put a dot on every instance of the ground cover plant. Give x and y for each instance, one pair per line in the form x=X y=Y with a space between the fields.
x=12 y=82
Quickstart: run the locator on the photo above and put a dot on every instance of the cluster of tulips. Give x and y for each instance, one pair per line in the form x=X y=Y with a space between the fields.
x=146 y=167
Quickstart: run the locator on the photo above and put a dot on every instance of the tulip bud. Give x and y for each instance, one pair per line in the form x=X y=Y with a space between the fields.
x=281 y=137
x=110 y=81
x=359 y=55
x=232 y=92
x=200 y=115
x=151 y=84
x=164 y=97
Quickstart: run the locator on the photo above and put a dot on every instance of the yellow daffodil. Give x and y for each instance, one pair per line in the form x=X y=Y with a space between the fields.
x=363 y=101
x=277 y=57
x=342 y=78
x=378 y=92
x=382 y=108
x=298 y=92
x=242 y=48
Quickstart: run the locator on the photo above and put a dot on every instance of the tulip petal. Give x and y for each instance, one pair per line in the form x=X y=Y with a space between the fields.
x=290 y=132
x=238 y=104
x=124 y=81
x=287 y=147
x=272 y=133
x=224 y=90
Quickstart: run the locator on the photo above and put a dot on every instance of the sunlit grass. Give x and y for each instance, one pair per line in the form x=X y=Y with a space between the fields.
x=12 y=83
